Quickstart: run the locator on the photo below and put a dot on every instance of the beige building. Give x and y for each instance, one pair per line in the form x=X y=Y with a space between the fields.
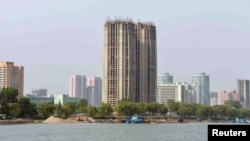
x=130 y=65
x=175 y=92
x=11 y=76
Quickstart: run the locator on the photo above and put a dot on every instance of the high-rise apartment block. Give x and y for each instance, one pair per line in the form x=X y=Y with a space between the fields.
x=244 y=92
x=130 y=61
x=203 y=81
x=77 y=86
x=12 y=76
x=94 y=91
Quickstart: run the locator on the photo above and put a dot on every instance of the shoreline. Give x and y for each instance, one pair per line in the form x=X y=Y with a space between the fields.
x=16 y=121
x=87 y=119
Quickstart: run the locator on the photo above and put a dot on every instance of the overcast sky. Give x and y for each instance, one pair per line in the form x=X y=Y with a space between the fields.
x=54 y=39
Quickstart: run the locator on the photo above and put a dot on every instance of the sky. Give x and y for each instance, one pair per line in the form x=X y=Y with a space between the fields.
x=54 y=39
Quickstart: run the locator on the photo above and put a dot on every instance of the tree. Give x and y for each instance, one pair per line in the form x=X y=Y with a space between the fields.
x=27 y=108
x=92 y=111
x=173 y=106
x=7 y=95
x=82 y=103
x=125 y=107
x=154 y=107
x=142 y=107
x=82 y=106
x=214 y=112
x=231 y=112
x=233 y=103
x=202 y=111
x=82 y=110
x=69 y=108
x=244 y=113
x=58 y=109
x=14 y=109
x=104 y=109
x=163 y=109
x=46 y=109
x=186 y=110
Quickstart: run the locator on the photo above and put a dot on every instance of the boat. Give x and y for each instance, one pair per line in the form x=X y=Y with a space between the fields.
x=240 y=120
x=135 y=119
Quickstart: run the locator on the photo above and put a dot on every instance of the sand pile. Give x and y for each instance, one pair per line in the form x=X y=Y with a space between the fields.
x=53 y=119
x=91 y=119
x=70 y=120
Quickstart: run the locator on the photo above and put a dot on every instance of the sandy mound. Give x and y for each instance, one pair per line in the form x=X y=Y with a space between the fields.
x=70 y=120
x=53 y=119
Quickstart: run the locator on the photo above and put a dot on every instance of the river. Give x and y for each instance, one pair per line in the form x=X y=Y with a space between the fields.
x=104 y=132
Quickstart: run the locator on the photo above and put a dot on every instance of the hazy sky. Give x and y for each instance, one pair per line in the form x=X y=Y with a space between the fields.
x=54 y=39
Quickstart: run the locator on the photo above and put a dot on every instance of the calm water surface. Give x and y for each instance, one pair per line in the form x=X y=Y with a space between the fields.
x=104 y=132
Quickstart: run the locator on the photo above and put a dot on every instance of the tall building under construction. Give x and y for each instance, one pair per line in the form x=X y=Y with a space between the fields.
x=130 y=61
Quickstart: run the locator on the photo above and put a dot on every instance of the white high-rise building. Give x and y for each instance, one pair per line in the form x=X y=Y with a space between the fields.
x=189 y=93
x=203 y=80
x=196 y=90
x=77 y=86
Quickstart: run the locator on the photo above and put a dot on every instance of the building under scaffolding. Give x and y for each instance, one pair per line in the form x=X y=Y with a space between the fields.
x=130 y=61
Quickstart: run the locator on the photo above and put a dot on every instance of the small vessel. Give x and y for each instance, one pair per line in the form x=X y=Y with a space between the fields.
x=135 y=119
x=240 y=120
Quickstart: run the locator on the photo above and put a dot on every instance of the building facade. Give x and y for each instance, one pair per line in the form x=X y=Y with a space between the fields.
x=244 y=92
x=189 y=96
x=94 y=91
x=203 y=80
x=166 y=92
x=38 y=100
x=225 y=96
x=164 y=78
x=39 y=92
x=77 y=86
x=12 y=76
x=213 y=98
x=196 y=92
x=64 y=98
x=130 y=65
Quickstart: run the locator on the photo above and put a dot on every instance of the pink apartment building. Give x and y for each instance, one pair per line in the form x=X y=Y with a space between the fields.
x=77 y=86
x=224 y=96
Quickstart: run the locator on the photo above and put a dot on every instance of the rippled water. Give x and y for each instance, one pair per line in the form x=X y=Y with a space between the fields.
x=104 y=132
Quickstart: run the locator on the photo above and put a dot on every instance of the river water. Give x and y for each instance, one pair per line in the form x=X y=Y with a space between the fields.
x=104 y=132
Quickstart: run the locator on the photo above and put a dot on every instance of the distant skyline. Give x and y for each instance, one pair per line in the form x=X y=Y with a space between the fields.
x=54 y=39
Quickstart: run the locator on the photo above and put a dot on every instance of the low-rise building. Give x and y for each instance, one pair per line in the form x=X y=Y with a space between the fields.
x=38 y=100
x=64 y=98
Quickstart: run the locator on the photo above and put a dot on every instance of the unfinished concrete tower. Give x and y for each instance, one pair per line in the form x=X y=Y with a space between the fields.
x=130 y=65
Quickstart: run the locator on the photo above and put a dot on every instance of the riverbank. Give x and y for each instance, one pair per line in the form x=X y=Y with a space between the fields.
x=16 y=121
x=88 y=119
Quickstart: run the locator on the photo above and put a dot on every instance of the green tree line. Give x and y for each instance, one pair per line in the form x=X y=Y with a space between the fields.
x=11 y=107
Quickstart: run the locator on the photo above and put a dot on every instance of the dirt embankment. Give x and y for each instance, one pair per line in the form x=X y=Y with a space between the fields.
x=53 y=119
x=16 y=121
